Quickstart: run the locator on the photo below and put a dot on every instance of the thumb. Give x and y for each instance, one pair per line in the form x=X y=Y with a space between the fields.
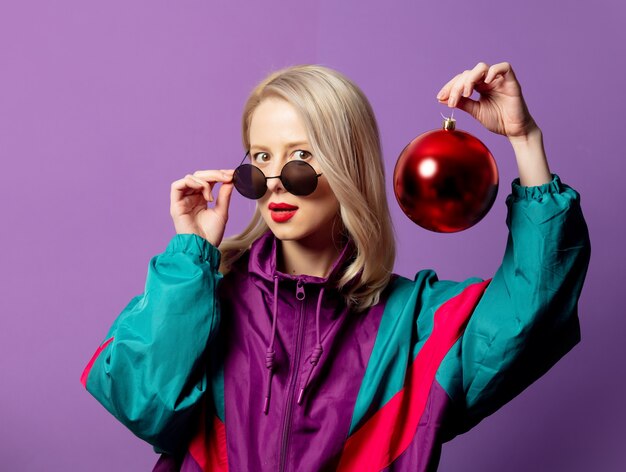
x=223 y=199
x=469 y=106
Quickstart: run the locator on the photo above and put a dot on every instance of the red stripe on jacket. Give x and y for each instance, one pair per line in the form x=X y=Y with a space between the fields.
x=391 y=429
x=85 y=374
x=210 y=454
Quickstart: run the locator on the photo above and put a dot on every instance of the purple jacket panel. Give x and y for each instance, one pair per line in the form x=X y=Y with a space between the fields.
x=291 y=436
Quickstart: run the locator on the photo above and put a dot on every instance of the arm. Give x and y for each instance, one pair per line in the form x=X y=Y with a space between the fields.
x=526 y=320
x=531 y=159
x=150 y=372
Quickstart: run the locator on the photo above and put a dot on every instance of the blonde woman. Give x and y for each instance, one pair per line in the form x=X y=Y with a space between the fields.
x=293 y=346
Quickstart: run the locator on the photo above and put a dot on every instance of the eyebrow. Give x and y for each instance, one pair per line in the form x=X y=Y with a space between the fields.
x=289 y=145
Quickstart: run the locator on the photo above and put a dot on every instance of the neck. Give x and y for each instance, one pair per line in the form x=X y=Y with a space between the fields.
x=306 y=257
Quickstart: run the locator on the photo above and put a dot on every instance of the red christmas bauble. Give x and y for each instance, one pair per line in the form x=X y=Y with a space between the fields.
x=446 y=180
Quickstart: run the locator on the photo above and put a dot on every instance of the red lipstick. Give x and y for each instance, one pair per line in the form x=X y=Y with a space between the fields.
x=282 y=212
x=281 y=206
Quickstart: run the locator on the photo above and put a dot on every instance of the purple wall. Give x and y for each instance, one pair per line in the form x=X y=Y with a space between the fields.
x=104 y=104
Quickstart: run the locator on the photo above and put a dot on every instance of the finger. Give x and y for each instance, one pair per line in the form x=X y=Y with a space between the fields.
x=473 y=77
x=211 y=177
x=206 y=187
x=503 y=68
x=457 y=89
x=223 y=199
x=468 y=105
x=224 y=175
x=178 y=195
x=228 y=173
x=181 y=187
x=445 y=90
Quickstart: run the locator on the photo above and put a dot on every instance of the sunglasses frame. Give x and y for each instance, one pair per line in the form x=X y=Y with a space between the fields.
x=282 y=179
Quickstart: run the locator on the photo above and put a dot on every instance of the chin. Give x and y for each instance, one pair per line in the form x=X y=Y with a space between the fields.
x=287 y=234
x=295 y=230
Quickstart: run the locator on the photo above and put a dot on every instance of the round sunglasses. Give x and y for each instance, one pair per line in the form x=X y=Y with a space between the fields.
x=298 y=178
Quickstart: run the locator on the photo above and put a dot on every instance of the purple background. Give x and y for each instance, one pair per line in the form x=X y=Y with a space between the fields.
x=104 y=104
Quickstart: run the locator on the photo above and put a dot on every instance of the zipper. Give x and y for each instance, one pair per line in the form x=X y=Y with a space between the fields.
x=300 y=295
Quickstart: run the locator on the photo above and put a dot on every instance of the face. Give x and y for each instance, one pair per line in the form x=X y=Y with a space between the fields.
x=277 y=136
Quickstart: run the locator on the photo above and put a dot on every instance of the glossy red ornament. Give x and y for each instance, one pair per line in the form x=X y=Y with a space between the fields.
x=446 y=180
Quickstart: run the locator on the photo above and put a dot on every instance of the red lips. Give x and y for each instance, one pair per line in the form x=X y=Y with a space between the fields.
x=281 y=206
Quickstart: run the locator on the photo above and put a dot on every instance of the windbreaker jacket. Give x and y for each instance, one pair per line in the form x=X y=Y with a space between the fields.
x=259 y=370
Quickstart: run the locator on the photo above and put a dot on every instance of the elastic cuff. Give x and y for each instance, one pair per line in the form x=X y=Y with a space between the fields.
x=536 y=192
x=191 y=243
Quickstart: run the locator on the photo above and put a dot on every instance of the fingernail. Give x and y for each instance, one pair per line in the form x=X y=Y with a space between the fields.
x=439 y=95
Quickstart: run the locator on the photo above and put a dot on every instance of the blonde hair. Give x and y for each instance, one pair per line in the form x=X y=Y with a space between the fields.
x=344 y=137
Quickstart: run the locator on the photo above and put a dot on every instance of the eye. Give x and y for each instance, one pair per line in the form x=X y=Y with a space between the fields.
x=261 y=157
x=301 y=154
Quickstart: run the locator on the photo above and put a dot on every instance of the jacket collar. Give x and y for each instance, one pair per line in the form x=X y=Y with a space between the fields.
x=262 y=264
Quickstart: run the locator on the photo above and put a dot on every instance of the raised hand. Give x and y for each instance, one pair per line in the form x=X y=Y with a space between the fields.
x=188 y=204
x=500 y=108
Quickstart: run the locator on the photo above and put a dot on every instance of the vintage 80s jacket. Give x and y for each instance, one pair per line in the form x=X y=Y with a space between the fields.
x=259 y=370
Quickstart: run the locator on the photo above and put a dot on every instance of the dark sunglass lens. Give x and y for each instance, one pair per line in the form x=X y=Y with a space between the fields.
x=249 y=181
x=299 y=178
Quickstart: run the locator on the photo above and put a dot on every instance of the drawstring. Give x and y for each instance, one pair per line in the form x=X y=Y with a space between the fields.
x=317 y=350
x=270 y=353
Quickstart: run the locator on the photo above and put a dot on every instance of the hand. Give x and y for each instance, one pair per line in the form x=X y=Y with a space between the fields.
x=188 y=204
x=500 y=108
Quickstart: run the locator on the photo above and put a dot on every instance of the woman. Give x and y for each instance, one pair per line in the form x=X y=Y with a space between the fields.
x=294 y=346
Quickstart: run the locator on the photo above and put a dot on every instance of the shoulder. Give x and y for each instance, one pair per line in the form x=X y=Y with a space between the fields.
x=426 y=289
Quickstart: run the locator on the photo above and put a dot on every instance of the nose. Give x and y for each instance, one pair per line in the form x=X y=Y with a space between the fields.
x=274 y=183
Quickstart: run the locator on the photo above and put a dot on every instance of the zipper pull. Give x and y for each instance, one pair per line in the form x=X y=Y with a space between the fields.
x=299 y=290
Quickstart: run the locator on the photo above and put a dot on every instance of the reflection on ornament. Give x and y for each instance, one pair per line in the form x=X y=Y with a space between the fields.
x=428 y=167
x=446 y=180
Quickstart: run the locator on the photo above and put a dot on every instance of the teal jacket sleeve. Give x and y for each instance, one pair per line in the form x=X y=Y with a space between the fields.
x=150 y=372
x=527 y=318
